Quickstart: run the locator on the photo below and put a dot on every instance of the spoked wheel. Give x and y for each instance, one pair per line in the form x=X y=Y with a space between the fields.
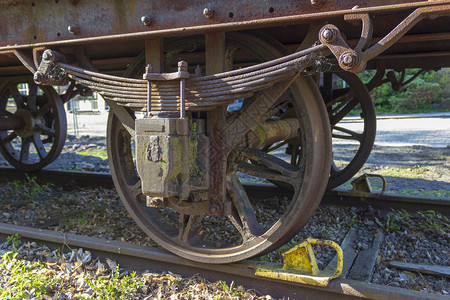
x=39 y=133
x=255 y=226
x=346 y=95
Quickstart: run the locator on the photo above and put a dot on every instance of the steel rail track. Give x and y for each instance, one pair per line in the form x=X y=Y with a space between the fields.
x=143 y=258
x=341 y=197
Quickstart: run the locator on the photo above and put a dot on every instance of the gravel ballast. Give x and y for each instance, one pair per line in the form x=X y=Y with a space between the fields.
x=407 y=237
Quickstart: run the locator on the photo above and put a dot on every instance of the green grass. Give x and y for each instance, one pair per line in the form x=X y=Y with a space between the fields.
x=424 y=222
x=97 y=153
x=116 y=287
x=412 y=172
x=434 y=222
x=231 y=290
x=28 y=190
x=26 y=279
x=80 y=219
x=422 y=192
x=395 y=220
x=23 y=279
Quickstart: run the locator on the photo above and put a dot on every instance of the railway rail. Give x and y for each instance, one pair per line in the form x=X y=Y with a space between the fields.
x=339 y=196
x=169 y=102
x=142 y=258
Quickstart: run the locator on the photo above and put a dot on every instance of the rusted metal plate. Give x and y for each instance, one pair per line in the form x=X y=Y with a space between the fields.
x=27 y=22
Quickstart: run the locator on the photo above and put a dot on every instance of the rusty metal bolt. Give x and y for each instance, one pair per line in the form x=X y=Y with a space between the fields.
x=38 y=77
x=328 y=35
x=146 y=20
x=157 y=202
x=182 y=66
x=209 y=13
x=73 y=29
x=214 y=208
x=48 y=55
x=198 y=70
x=348 y=60
x=148 y=68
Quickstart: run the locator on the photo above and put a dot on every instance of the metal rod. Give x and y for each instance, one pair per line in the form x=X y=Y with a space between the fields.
x=149 y=98
x=10 y=123
x=182 y=100
x=148 y=69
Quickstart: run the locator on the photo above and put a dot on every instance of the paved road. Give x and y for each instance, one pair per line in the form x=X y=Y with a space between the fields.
x=425 y=131
x=432 y=130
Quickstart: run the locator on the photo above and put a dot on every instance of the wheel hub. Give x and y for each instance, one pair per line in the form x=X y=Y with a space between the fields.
x=28 y=121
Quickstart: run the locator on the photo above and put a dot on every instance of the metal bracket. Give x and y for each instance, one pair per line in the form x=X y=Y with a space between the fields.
x=300 y=265
x=181 y=75
x=362 y=184
x=48 y=72
x=355 y=60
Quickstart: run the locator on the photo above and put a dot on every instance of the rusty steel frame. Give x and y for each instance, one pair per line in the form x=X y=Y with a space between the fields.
x=50 y=23
x=355 y=60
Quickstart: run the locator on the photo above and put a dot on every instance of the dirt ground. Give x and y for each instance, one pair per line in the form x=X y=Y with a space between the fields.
x=411 y=169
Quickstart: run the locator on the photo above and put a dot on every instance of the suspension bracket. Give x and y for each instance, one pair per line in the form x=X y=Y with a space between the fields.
x=48 y=72
x=355 y=60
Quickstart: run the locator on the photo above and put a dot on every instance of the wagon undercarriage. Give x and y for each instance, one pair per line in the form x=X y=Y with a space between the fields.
x=169 y=71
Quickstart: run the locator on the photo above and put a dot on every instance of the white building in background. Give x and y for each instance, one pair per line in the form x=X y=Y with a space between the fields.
x=87 y=115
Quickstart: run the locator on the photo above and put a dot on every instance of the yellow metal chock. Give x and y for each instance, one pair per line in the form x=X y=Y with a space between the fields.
x=300 y=265
x=362 y=184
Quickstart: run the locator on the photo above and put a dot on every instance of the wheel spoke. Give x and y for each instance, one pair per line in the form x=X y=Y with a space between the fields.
x=187 y=227
x=262 y=172
x=245 y=221
x=351 y=134
x=271 y=162
x=39 y=146
x=349 y=106
x=5 y=113
x=275 y=147
x=25 y=150
x=294 y=156
x=45 y=130
x=135 y=189
x=43 y=110
x=338 y=97
x=17 y=96
x=9 y=138
x=32 y=95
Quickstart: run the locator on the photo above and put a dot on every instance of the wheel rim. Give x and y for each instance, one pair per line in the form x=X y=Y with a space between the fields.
x=341 y=102
x=42 y=138
x=192 y=236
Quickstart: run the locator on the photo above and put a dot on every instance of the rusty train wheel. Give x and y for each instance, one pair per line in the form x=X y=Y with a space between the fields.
x=42 y=135
x=358 y=134
x=255 y=226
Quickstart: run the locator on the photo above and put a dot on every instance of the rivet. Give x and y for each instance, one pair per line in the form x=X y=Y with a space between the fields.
x=48 y=55
x=146 y=20
x=38 y=77
x=328 y=34
x=348 y=59
x=73 y=29
x=209 y=13
x=214 y=208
